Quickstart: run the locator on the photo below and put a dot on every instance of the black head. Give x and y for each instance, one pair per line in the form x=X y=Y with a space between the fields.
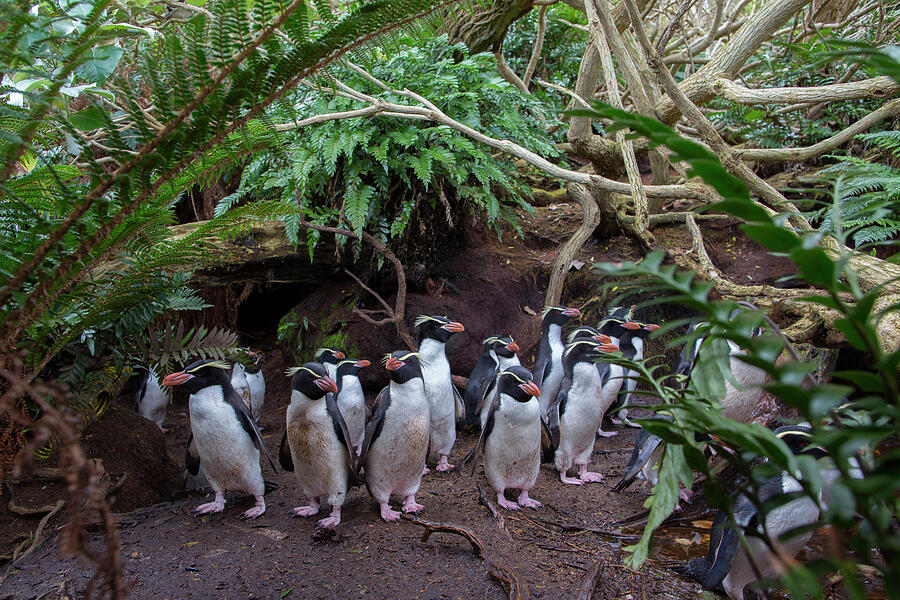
x=626 y=328
x=331 y=356
x=558 y=315
x=584 y=331
x=402 y=366
x=502 y=345
x=586 y=350
x=199 y=375
x=436 y=328
x=516 y=382
x=312 y=380
x=800 y=440
x=351 y=366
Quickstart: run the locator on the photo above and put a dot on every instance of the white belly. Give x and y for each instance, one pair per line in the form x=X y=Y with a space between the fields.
x=582 y=416
x=227 y=453
x=352 y=403
x=155 y=401
x=512 y=451
x=321 y=462
x=441 y=400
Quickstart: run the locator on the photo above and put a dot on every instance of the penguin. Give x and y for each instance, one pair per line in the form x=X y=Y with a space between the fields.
x=727 y=562
x=316 y=443
x=499 y=354
x=351 y=400
x=579 y=409
x=631 y=345
x=548 y=364
x=228 y=443
x=511 y=438
x=248 y=381
x=330 y=357
x=151 y=401
x=396 y=442
x=445 y=402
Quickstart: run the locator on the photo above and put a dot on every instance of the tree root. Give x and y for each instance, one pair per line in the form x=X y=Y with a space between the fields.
x=509 y=580
x=501 y=522
x=432 y=527
x=589 y=581
x=36 y=538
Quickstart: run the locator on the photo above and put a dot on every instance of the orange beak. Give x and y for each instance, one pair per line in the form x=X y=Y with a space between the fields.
x=340 y=355
x=572 y=312
x=176 y=378
x=651 y=327
x=327 y=384
x=512 y=347
x=603 y=338
x=454 y=327
x=631 y=325
x=608 y=348
x=393 y=364
x=363 y=363
x=531 y=388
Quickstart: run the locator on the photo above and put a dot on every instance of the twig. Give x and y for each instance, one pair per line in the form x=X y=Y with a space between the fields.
x=36 y=539
x=538 y=46
x=588 y=583
x=509 y=580
x=501 y=522
x=432 y=527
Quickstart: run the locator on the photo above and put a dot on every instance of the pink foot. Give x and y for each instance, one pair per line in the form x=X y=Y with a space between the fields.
x=163 y=429
x=570 y=480
x=425 y=470
x=527 y=502
x=358 y=450
x=216 y=506
x=256 y=511
x=333 y=520
x=588 y=476
x=606 y=434
x=502 y=501
x=686 y=495
x=387 y=514
x=411 y=506
x=443 y=464
x=307 y=511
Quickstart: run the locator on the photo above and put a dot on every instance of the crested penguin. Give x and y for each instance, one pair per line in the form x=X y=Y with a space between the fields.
x=227 y=440
x=351 y=400
x=445 y=402
x=248 y=381
x=499 y=354
x=396 y=442
x=316 y=443
x=548 y=372
x=150 y=399
x=579 y=409
x=330 y=357
x=727 y=562
x=511 y=438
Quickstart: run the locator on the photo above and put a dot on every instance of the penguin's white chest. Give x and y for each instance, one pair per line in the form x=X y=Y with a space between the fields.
x=512 y=450
x=439 y=391
x=154 y=402
x=320 y=460
x=227 y=453
x=352 y=403
x=583 y=411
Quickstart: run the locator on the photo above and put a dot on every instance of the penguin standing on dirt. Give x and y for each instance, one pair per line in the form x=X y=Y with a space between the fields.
x=151 y=400
x=499 y=354
x=249 y=383
x=316 y=443
x=393 y=452
x=511 y=438
x=727 y=563
x=444 y=400
x=577 y=412
x=631 y=344
x=330 y=357
x=548 y=371
x=227 y=441
x=351 y=399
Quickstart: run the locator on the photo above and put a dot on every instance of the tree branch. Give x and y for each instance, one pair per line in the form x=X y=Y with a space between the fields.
x=876 y=87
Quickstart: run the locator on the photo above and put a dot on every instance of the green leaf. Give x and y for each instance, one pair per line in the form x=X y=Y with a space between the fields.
x=773 y=237
x=89 y=119
x=815 y=266
x=100 y=64
x=285 y=592
x=661 y=502
x=743 y=209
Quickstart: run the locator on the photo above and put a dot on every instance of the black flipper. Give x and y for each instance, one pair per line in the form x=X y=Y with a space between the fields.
x=191 y=457
x=284 y=454
x=485 y=432
x=644 y=445
x=486 y=394
x=375 y=425
x=550 y=429
x=343 y=434
x=247 y=422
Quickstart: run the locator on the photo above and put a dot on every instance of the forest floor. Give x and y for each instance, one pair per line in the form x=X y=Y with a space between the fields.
x=170 y=554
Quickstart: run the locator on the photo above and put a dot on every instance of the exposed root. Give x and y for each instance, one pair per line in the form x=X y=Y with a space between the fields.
x=509 y=580
x=432 y=527
x=36 y=539
x=589 y=581
x=501 y=522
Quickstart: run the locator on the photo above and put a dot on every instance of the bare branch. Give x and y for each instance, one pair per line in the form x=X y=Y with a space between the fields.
x=538 y=46
x=876 y=87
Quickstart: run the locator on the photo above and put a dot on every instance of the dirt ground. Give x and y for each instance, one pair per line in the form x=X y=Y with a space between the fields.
x=170 y=554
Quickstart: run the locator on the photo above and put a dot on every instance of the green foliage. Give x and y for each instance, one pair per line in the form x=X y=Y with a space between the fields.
x=867 y=193
x=849 y=421
x=378 y=171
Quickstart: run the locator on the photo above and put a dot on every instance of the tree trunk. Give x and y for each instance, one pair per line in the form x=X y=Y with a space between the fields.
x=483 y=27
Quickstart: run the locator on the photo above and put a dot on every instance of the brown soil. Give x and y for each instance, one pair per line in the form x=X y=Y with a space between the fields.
x=491 y=288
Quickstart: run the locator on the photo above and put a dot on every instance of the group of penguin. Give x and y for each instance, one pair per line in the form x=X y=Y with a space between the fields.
x=555 y=410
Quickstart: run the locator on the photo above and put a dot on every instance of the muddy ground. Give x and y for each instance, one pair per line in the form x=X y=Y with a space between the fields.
x=170 y=554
